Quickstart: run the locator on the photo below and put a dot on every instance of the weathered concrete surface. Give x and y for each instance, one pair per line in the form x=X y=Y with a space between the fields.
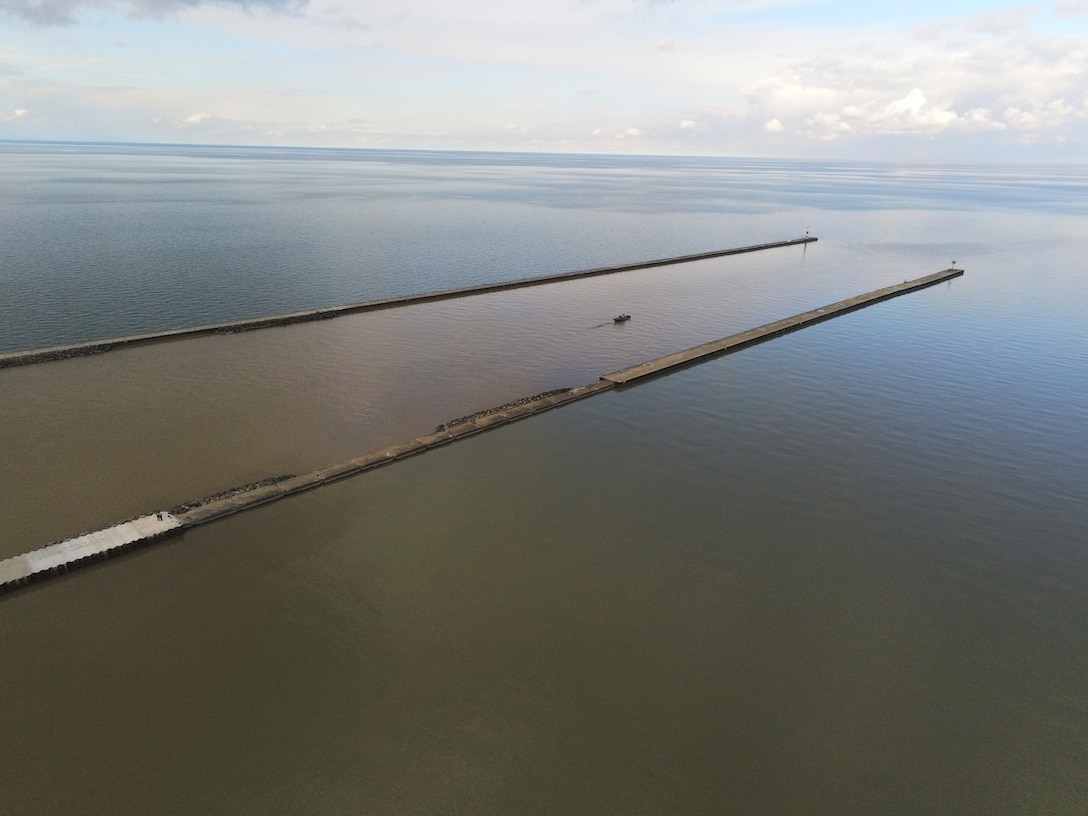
x=45 y=355
x=735 y=342
x=64 y=555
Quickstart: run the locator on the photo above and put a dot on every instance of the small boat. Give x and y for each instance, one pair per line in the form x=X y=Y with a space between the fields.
x=623 y=318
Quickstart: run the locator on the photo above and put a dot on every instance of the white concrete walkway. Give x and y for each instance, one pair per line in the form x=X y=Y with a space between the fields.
x=53 y=556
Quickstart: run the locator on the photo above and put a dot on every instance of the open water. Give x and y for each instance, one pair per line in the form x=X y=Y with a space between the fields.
x=842 y=572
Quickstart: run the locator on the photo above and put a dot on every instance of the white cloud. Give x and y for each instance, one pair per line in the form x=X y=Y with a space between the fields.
x=1050 y=116
x=989 y=74
x=198 y=118
x=978 y=119
x=1003 y=22
x=994 y=23
x=14 y=116
x=65 y=12
x=911 y=114
x=773 y=126
x=1071 y=8
x=826 y=127
x=688 y=124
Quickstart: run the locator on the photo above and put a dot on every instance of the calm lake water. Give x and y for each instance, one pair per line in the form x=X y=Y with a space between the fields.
x=842 y=572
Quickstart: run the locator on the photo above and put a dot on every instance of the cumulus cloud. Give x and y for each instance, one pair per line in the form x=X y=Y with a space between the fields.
x=64 y=12
x=14 y=116
x=1040 y=117
x=914 y=113
x=978 y=119
x=911 y=114
x=826 y=126
x=985 y=74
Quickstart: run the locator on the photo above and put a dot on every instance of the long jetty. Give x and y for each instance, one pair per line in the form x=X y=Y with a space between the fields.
x=760 y=334
x=64 y=352
x=60 y=557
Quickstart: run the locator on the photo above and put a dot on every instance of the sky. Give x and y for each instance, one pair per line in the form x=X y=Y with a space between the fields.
x=951 y=81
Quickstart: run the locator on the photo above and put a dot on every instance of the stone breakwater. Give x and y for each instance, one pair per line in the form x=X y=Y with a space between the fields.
x=229 y=493
x=62 y=556
x=54 y=353
x=445 y=426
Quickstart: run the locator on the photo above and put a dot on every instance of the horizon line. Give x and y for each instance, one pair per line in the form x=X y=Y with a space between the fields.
x=507 y=152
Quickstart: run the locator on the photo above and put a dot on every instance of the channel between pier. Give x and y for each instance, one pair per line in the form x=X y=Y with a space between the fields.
x=52 y=353
x=60 y=557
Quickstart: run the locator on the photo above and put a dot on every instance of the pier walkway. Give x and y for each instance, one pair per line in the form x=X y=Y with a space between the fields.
x=65 y=555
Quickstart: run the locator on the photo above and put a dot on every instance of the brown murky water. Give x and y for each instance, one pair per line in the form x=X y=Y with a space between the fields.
x=94 y=440
x=648 y=602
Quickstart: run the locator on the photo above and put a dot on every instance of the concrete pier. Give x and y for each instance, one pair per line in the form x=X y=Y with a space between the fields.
x=735 y=342
x=65 y=555
x=44 y=355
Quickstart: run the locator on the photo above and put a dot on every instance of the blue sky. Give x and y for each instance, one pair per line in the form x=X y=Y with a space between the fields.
x=959 y=81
